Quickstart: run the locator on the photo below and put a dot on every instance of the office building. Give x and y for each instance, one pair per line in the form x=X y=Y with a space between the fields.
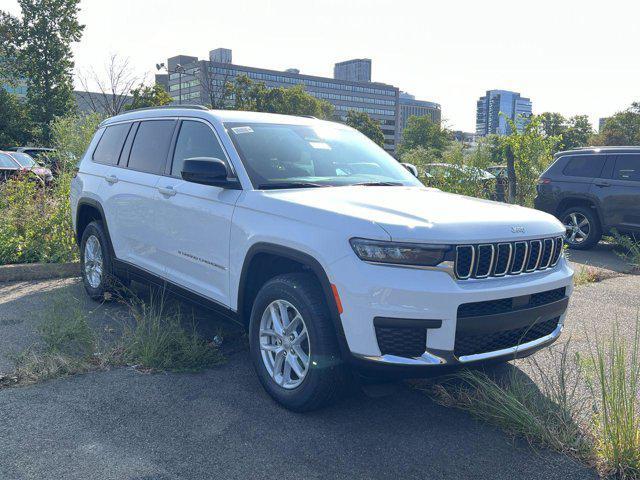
x=193 y=81
x=357 y=70
x=497 y=107
x=409 y=106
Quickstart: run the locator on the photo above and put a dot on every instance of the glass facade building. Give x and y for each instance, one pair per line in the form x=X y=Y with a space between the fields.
x=493 y=110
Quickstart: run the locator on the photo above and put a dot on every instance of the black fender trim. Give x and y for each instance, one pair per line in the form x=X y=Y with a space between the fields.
x=309 y=262
x=95 y=204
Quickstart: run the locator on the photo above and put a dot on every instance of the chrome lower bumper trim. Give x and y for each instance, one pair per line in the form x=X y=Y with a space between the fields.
x=431 y=359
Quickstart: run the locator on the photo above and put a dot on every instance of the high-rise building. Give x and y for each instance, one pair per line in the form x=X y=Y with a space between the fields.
x=409 y=107
x=356 y=70
x=193 y=81
x=497 y=107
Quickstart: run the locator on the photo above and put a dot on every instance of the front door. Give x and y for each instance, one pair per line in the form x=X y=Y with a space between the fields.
x=196 y=219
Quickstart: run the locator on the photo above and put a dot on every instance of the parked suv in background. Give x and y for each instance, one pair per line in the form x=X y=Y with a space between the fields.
x=331 y=254
x=592 y=191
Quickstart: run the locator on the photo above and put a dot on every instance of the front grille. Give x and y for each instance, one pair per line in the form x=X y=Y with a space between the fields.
x=402 y=341
x=505 y=305
x=472 y=344
x=499 y=259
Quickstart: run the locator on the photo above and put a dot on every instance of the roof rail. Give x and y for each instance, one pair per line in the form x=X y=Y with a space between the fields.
x=169 y=107
x=308 y=116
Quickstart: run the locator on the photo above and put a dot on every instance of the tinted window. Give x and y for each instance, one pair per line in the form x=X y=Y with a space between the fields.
x=108 y=150
x=6 y=162
x=584 y=166
x=150 y=147
x=627 y=168
x=195 y=140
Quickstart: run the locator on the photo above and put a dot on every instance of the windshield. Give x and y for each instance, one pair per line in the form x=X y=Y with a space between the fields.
x=296 y=156
x=24 y=160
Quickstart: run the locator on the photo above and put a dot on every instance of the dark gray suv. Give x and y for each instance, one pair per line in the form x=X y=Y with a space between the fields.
x=592 y=191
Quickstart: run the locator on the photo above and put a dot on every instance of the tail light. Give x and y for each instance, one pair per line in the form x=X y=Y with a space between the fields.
x=544 y=181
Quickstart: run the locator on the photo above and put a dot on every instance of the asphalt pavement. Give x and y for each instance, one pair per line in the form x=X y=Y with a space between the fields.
x=122 y=424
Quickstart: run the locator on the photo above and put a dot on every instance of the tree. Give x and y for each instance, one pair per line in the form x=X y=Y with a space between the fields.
x=527 y=153
x=41 y=43
x=362 y=122
x=572 y=133
x=148 y=96
x=623 y=128
x=553 y=124
x=15 y=125
x=422 y=132
x=113 y=93
x=257 y=97
x=578 y=133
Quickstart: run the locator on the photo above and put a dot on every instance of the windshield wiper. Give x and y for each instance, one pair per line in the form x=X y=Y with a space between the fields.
x=379 y=184
x=275 y=186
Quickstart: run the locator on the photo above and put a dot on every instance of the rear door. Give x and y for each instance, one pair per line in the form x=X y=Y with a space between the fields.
x=132 y=199
x=620 y=192
x=196 y=219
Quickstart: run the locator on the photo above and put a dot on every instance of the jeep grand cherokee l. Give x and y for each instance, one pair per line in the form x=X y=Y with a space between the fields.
x=593 y=191
x=331 y=253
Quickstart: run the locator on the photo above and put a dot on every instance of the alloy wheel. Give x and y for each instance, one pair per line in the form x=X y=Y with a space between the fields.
x=284 y=344
x=578 y=228
x=93 y=262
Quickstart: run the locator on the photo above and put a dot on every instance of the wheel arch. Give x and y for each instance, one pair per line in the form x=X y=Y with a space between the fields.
x=261 y=254
x=89 y=210
x=585 y=202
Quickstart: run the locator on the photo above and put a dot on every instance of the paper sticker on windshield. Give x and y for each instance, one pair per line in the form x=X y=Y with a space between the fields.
x=320 y=145
x=239 y=130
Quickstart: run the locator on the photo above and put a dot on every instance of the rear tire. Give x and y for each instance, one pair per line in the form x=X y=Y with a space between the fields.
x=297 y=302
x=583 y=228
x=96 y=263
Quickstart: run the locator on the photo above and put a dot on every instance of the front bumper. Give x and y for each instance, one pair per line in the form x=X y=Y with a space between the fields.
x=369 y=291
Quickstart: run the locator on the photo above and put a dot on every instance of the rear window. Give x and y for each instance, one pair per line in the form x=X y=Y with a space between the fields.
x=584 y=166
x=151 y=146
x=110 y=145
x=627 y=168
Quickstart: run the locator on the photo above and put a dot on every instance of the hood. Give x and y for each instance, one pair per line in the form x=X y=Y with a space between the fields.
x=417 y=214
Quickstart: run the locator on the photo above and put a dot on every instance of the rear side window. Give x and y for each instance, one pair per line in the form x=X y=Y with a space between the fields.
x=6 y=161
x=151 y=145
x=627 y=168
x=110 y=145
x=195 y=139
x=584 y=166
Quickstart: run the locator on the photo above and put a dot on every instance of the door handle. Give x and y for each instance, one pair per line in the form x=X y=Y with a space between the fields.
x=602 y=184
x=111 y=179
x=167 y=191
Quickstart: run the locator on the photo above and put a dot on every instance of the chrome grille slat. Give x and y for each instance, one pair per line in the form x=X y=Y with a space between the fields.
x=506 y=258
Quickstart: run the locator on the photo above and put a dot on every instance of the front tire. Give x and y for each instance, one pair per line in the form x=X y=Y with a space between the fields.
x=582 y=227
x=293 y=344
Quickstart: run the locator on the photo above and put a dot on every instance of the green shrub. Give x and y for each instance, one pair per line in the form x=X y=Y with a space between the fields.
x=35 y=221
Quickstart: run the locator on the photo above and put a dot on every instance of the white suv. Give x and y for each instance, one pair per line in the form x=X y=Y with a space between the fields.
x=329 y=251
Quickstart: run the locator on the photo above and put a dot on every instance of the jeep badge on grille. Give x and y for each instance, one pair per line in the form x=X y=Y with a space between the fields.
x=517 y=229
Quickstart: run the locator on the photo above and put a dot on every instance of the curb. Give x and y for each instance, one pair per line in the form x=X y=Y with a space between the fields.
x=38 y=271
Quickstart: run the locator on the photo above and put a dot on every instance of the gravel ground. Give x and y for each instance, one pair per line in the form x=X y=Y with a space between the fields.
x=220 y=423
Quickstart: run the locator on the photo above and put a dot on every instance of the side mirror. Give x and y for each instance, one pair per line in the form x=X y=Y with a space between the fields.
x=208 y=171
x=412 y=168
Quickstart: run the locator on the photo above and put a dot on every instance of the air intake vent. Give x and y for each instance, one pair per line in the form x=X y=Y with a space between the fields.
x=500 y=259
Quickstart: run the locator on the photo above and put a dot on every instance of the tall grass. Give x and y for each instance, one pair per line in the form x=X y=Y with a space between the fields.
x=616 y=390
x=587 y=406
x=157 y=338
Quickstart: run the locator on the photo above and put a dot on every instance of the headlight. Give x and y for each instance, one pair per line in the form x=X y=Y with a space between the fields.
x=417 y=254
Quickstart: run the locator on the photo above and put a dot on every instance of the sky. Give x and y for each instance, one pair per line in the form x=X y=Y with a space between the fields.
x=568 y=56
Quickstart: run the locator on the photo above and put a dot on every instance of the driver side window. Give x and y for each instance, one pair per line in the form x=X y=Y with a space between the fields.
x=196 y=139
